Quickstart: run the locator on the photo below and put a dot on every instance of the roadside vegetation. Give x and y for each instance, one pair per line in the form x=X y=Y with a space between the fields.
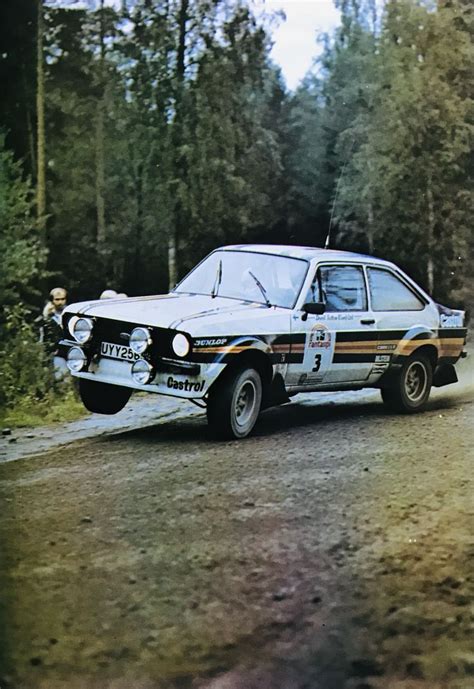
x=29 y=393
x=136 y=138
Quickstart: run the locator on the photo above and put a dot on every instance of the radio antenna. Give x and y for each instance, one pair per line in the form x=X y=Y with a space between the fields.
x=328 y=236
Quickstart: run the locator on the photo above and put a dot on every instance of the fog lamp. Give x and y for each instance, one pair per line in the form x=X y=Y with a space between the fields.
x=142 y=372
x=76 y=359
x=140 y=339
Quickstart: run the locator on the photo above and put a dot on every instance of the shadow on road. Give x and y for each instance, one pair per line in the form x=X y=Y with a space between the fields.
x=278 y=420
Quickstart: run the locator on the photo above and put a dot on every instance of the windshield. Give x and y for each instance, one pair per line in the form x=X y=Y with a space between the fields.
x=249 y=276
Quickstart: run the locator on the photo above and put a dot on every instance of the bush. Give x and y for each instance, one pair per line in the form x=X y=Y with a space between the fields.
x=26 y=371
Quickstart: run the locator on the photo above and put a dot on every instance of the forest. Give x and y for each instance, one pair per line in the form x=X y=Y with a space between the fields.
x=137 y=137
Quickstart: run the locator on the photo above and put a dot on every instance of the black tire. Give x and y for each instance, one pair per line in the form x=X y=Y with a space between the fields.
x=411 y=389
x=234 y=404
x=102 y=398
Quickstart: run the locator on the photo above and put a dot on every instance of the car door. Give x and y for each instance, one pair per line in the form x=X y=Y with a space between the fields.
x=337 y=346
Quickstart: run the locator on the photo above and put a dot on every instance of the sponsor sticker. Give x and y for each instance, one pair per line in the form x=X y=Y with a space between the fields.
x=340 y=316
x=319 y=337
x=186 y=385
x=211 y=342
x=311 y=380
x=452 y=321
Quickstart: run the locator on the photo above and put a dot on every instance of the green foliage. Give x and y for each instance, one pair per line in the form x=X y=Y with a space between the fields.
x=18 y=78
x=22 y=257
x=232 y=156
x=304 y=154
x=409 y=181
x=53 y=408
x=25 y=370
x=170 y=112
x=381 y=137
x=323 y=121
x=30 y=393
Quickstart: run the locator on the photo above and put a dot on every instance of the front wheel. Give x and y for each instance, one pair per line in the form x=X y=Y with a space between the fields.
x=102 y=398
x=234 y=404
x=411 y=389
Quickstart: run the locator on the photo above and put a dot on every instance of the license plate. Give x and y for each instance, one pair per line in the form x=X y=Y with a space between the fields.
x=115 y=351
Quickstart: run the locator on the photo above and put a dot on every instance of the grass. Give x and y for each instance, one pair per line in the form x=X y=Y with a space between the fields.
x=54 y=408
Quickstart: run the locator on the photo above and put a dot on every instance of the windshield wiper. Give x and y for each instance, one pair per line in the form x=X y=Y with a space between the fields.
x=217 y=281
x=261 y=288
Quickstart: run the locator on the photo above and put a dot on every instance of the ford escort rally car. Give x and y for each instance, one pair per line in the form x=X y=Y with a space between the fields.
x=252 y=325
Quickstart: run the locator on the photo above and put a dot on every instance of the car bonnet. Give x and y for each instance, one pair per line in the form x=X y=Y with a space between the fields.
x=178 y=311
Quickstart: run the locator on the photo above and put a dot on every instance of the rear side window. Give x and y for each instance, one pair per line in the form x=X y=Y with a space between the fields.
x=342 y=288
x=388 y=293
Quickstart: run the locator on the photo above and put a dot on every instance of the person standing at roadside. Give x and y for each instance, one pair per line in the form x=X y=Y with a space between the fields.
x=51 y=329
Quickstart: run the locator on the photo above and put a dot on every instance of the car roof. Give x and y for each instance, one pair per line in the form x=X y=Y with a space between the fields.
x=306 y=252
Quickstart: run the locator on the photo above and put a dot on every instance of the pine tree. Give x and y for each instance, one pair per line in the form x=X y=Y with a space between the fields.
x=22 y=255
x=412 y=172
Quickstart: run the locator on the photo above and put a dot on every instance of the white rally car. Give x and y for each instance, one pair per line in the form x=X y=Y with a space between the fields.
x=252 y=325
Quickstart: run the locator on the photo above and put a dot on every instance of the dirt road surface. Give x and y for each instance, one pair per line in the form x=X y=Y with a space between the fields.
x=332 y=550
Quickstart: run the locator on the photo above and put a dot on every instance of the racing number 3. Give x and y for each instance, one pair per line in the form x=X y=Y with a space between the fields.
x=317 y=363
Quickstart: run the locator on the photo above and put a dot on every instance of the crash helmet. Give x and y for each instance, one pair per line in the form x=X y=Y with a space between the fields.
x=108 y=294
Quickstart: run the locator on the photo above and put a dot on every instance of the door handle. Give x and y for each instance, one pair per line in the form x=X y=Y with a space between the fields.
x=367 y=321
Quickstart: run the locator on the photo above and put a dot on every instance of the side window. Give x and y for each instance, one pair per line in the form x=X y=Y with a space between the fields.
x=388 y=293
x=341 y=288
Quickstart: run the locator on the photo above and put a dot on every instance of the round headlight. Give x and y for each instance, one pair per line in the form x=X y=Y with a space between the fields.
x=180 y=345
x=140 y=339
x=142 y=372
x=71 y=323
x=76 y=359
x=81 y=329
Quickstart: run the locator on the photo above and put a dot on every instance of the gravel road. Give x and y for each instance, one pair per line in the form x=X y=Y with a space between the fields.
x=332 y=550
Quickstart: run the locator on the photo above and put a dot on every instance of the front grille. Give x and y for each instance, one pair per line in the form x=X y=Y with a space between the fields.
x=111 y=331
x=118 y=332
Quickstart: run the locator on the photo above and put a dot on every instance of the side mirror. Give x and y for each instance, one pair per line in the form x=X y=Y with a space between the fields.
x=316 y=307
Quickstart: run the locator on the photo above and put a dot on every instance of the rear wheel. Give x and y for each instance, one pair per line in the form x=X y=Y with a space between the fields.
x=411 y=389
x=234 y=404
x=102 y=398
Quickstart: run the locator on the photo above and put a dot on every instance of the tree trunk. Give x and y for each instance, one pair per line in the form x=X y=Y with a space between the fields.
x=100 y=176
x=139 y=221
x=40 y=128
x=99 y=150
x=174 y=233
x=430 y=236
x=370 y=228
x=29 y=126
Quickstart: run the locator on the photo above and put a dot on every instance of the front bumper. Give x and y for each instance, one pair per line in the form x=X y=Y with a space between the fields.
x=183 y=379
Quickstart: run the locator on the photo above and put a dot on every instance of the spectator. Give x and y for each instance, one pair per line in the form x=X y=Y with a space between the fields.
x=112 y=294
x=51 y=328
x=108 y=294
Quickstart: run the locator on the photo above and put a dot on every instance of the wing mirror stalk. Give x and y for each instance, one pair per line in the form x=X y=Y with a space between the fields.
x=317 y=308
